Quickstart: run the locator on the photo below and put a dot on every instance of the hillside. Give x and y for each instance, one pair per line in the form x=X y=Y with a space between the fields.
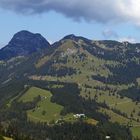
x=76 y=75
x=45 y=110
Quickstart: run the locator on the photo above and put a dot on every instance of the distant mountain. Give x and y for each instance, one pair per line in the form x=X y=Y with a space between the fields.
x=23 y=43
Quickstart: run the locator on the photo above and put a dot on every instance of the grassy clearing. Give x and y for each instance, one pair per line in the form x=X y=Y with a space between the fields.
x=45 y=111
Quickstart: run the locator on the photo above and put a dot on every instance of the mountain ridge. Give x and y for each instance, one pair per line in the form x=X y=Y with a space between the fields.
x=25 y=35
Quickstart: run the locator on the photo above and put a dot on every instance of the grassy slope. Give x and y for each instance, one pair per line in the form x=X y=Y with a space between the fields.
x=114 y=117
x=136 y=131
x=89 y=66
x=52 y=110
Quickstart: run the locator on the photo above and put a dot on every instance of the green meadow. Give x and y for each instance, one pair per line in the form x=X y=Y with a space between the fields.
x=45 y=110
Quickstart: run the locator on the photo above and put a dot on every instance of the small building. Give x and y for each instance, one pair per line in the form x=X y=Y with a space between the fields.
x=107 y=137
x=79 y=116
x=43 y=97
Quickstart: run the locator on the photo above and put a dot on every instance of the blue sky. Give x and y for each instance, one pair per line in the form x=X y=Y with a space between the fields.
x=55 y=24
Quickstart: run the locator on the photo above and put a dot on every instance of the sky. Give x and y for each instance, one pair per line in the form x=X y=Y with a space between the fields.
x=54 y=19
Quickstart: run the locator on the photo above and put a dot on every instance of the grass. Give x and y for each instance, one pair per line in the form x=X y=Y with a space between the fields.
x=114 y=117
x=125 y=105
x=52 y=110
x=6 y=138
x=129 y=107
x=136 y=131
x=91 y=121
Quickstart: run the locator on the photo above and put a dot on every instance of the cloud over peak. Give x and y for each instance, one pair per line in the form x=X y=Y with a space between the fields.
x=90 y=10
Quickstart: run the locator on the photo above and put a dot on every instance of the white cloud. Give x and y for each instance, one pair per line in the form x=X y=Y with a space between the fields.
x=111 y=34
x=108 y=33
x=95 y=10
x=128 y=39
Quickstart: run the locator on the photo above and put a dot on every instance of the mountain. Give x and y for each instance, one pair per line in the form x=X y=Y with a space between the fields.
x=76 y=75
x=23 y=43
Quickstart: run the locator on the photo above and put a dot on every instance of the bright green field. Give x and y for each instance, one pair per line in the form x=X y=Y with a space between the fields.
x=136 y=131
x=52 y=110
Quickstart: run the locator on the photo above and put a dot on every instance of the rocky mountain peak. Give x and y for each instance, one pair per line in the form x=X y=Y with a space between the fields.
x=23 y=43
